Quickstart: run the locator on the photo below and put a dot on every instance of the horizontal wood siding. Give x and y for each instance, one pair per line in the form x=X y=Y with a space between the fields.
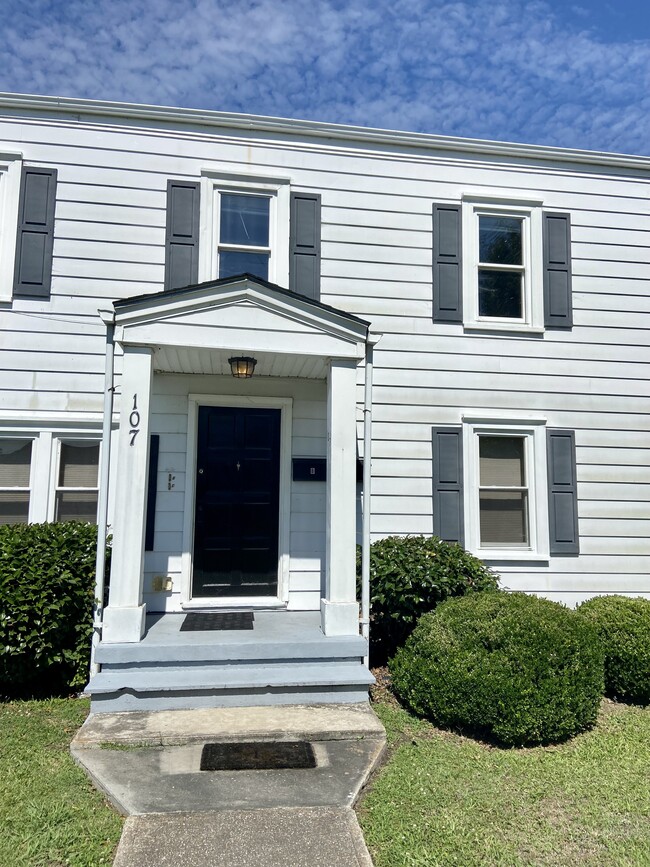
x=376 y=262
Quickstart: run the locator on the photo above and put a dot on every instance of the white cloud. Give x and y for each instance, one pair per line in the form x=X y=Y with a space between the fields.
x=500 y=69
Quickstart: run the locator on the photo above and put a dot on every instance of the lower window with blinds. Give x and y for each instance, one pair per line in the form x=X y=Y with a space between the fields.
x=506 y=490
x=77 y=481
x=15 y=474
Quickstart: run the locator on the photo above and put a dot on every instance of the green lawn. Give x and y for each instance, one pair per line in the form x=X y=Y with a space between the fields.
x=443 y=799
x=50 y=814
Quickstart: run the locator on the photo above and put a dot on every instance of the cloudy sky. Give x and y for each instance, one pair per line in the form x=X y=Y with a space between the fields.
x=544 y=71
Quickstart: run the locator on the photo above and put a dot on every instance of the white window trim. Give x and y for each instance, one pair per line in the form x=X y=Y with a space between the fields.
x=529 y=209
x=285 y=405
x=233 y=179
x=534 y=432
x=10 y=169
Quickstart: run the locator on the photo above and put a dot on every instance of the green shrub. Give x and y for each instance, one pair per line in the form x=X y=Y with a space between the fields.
x=623 y=625
x=47 y=581
x=508 y=667
x=410 y=575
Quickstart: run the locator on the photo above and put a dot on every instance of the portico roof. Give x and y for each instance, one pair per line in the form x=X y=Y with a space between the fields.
x=196 y=328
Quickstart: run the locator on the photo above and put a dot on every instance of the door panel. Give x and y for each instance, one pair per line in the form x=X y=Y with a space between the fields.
x=237 y=502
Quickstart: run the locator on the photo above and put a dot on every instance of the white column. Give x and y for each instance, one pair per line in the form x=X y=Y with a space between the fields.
x=339 y=608
x=124 y=617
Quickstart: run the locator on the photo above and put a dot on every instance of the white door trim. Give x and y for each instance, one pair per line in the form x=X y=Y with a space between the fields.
x=285 y=405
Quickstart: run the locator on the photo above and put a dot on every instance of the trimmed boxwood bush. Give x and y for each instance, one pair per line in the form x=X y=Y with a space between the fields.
x=623 y=624
x=410 y=575
x=47 y=583
x=511 y=668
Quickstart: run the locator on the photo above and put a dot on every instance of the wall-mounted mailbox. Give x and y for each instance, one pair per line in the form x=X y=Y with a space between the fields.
x=309 y=469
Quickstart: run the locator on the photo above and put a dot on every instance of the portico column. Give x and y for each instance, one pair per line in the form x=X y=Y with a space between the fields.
x=339 y=608
x=124 y=617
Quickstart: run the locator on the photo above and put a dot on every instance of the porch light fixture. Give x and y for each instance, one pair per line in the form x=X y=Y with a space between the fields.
x=242 y=366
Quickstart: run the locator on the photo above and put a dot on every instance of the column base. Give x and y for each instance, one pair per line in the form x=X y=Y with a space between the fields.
x=122 y=624
x=339 y=618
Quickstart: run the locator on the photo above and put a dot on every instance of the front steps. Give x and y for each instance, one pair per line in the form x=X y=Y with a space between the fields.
x=170 y=670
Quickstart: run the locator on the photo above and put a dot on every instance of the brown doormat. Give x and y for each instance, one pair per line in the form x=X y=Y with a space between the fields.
x=258 y=756
x=202 y=621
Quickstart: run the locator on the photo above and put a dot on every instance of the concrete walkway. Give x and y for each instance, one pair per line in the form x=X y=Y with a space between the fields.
x=148 y=765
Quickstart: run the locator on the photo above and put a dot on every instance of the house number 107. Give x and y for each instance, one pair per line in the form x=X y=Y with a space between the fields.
x=134 y=420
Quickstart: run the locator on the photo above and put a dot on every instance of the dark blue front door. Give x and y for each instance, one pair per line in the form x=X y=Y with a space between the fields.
x=237 y=502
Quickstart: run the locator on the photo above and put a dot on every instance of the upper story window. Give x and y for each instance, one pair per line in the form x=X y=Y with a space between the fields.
x=244 y=234
x=244 y=225
x=15 y=473
x=503 y=286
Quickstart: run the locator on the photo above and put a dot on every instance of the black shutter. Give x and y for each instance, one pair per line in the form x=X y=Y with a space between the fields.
x=304 y=245
x=33 y=271
x=562 y=492
x=558 y=309
x=182 y=235
x=152 y=487
x=448 y=484
x=447 y=258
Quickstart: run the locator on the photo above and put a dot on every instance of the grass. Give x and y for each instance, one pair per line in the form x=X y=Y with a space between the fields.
x=443 y=799
x=51 y=814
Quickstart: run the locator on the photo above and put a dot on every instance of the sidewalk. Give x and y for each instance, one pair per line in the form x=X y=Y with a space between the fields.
x=148 y=764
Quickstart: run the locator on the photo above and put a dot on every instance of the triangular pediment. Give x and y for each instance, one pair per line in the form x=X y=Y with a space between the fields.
x=241 y=312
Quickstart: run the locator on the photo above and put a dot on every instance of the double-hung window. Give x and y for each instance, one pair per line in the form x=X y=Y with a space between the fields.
x=244 y=226
x=503 y=494
x=77 y=481
x=15 y=475
x=244 y=234
x=502 y=264
x=506 y=502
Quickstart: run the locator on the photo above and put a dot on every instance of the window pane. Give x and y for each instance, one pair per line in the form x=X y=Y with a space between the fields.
x=78 y=465
x=500 y=294
x=232 y=263
x=501 y=461
x=504 y=518
x=500 y=240
x=14 y=507
x=244 y=220
x=15 y=458
x=76 y=506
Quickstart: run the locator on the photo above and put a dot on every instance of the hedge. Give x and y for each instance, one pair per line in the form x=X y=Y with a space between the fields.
x=410 y=575
x=623 y=624
x=47 y=580
x=510 y=668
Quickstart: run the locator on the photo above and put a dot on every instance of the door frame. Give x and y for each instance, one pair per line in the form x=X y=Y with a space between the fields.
x=285 y=405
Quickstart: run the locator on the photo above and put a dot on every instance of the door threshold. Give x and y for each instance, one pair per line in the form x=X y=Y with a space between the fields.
x=258 y=604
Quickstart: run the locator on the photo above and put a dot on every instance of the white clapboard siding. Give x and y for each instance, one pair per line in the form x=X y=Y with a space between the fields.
x=376 y=262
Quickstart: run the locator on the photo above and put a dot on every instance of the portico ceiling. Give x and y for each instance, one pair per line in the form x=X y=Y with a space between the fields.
x=199 y=360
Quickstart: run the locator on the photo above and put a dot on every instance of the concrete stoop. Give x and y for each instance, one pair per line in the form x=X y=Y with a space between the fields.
x=148 y=765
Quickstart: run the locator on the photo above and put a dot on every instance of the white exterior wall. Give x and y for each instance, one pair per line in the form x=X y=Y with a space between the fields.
x=376 y=262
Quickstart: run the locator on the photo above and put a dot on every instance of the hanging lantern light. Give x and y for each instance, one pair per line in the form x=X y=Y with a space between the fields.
x=242 y=366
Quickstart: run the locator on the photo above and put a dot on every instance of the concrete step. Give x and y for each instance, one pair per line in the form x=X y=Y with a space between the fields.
x=172 y=687
x=168 y=679
x=192 y=650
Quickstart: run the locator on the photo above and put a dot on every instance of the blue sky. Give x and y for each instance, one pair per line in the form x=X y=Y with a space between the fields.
x=550 y=72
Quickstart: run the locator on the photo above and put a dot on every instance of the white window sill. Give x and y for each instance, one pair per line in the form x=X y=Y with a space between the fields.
x=492 y=555
x=516 y=328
